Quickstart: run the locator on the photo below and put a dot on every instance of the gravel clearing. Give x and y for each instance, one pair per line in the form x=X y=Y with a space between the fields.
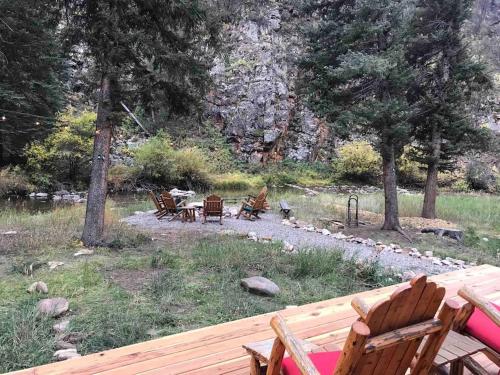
x=270 y=226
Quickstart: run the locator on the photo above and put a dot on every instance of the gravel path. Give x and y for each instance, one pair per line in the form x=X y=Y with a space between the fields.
x=270 y=226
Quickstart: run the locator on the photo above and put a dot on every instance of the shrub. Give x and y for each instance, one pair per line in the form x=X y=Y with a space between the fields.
x=157 y=162
x=480 y=176
x=237 y=181
x=13 y=181
x=122 y=177
x=461 y=185
x=410 y=172
x=63 y=157
x=358 y=161
x=191 y=168
x=154 y=159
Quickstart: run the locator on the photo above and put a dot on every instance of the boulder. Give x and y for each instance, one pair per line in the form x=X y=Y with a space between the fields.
x=39 y=287
x=288 y=247
x=64 y=354
x=9 y=233
x=260 y=285
x=61 y=327
x=326 y=232
x=61 y=344
x=53 y=307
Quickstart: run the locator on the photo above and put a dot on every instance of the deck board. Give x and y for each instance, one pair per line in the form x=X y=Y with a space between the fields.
x=217 y=349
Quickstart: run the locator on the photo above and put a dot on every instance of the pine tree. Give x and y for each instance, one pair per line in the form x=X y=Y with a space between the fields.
x=446 y=78
x=146 y=49
x=357 y=78
x=30 y=69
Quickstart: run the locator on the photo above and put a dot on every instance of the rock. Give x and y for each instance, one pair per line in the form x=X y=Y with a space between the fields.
x=260 y=285
x=485 y=239
x=74 y=337
x=61 y=327
x=446 y=262
x=398 y=251
x=38 y=286
x=64 y=354
x=339 y=236
x=370 y=242
x=53 y=307
x=10 y=233
x=288 y=247
x=357 y=240
x=429 y=253
x=252 y=236
x=408 y=275
x=61 y=344
x=437 y=262
x=84 y=252
x=325 y=232
x=53 y=265
x=41 y=195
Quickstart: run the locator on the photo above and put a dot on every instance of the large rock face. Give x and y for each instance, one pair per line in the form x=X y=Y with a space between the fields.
x=254 y=101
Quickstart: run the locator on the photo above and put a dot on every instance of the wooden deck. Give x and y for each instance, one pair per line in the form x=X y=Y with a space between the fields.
x=217 y=349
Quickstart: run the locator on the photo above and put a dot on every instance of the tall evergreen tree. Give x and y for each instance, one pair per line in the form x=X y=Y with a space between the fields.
x=446 y=77
x=149 y=49
x=30 y=66
x=357 y=77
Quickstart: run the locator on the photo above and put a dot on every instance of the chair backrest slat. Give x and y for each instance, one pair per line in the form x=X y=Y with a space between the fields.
x=260 y=200
x=397 y=327
x=168 y=200
x=213 y=204
x=155 y=200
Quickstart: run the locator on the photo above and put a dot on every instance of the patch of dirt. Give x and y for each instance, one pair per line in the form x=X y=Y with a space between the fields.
x=412 y=222
x=132 y=280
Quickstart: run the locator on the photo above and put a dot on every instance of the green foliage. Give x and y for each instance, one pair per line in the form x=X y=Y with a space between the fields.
x=122 y=177
x=159 y=163
x=297 y=173
x=30 y=73
x=154 y=159
x=461 y=185
x=480 y=176
x=191 y=168
x=26 y=339
x=237 y=181
x=64 y=156
x=410 y=171
x=358 y=161
x=14 y=181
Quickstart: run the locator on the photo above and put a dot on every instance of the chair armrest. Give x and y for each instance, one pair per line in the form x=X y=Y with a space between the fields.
x=361 y=307
x=293 y=346
x=481 y=303
x=182 y=203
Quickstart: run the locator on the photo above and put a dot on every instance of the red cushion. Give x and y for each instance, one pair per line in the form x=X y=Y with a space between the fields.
x=484 y=329
x=325 y=362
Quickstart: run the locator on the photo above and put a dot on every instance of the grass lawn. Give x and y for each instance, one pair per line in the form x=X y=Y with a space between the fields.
x=143 y=288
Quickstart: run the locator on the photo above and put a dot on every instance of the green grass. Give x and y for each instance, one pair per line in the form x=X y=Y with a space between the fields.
x=142 y=289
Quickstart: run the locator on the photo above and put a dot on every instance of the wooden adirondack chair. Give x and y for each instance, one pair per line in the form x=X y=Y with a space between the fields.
x=171 y=207
x=160 y=207
x=479 y=319
x=384 y=340
x=253 y=206
x=213 y=205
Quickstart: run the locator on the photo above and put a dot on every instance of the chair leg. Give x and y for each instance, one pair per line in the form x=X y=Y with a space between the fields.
x=239 y=213
x=220 y=220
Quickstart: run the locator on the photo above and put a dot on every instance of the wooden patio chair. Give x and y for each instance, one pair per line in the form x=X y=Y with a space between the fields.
x=383 y=341
x=213 y=205
x=480 y=320
x=171 y=206
x=253 y=206
x=160 y=207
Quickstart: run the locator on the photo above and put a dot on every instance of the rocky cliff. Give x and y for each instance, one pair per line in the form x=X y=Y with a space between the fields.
x=254 y=102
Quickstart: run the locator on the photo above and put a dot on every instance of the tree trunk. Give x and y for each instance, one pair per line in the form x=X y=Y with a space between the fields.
x=431 y=184
x=96 y=200
x=391 y=219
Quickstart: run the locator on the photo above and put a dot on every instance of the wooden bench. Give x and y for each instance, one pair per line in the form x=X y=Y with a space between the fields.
x=285 y=209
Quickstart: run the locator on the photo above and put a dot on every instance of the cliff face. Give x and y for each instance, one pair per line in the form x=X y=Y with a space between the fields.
x=254 y=102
